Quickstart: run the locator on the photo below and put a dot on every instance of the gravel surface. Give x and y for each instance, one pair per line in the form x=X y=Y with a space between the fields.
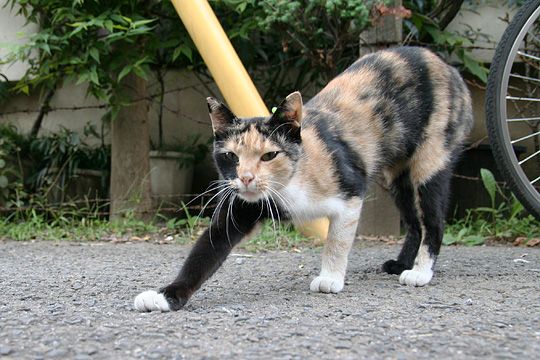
x=74 y=300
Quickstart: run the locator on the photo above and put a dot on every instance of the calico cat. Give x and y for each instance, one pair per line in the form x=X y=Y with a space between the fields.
x=399 y=115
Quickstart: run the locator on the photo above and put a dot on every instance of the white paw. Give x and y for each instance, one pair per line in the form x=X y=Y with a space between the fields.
x=416 y=277
x=327 y=284
x=151 y=301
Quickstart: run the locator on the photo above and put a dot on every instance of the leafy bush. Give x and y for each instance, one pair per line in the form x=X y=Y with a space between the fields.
x=98 y=42
x=32 y=166
x=506 y=221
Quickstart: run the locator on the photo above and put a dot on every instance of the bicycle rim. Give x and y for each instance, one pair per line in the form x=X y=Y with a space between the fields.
x=517 y=121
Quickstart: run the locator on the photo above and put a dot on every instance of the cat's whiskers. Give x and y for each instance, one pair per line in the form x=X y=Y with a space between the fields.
x=218 y=209
x=268 y=205
x=270 y=198
x=210 y=188
x=284 y=202
x=281 y=185
x=231 y=212
x=227 y=220
x=282 y=199
x=225 y=187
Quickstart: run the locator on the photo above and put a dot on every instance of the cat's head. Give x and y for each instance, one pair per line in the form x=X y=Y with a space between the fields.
x=257 y=156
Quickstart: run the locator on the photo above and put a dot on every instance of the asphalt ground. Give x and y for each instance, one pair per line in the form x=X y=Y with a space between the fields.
x=75 y=300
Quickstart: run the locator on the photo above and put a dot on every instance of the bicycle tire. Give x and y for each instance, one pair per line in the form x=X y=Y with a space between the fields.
x=495 y=104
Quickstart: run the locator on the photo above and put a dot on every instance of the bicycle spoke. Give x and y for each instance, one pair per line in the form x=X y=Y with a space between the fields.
x=529 y=157
x=528 y=55
x=521 y=98
x=525 y=137
x=524 y=77
x=523 y=119
x=535 y=180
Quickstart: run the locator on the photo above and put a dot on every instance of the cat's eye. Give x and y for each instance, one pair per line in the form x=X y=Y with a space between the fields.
x=269 y=155
x=231 y=156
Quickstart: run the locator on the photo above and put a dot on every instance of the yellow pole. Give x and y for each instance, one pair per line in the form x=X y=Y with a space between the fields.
x=228 y=71
x=215 y=48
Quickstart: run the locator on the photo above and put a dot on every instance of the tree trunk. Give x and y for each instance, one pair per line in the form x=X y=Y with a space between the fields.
x=130 y=169
x=43 y=111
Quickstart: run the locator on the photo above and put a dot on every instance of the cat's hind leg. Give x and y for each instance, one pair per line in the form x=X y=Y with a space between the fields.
x=423 y=208
x=404 y=197
x=431 y=202
x=341 y=234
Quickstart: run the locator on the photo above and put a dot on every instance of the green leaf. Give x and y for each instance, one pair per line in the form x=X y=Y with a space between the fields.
x=473 y=240
x=118 y=19
x=437 y=35
x=94 y=53
x=2 y=163
x=182 y=50
x=142 y=22
x=186 y=50
x=3 y=182
x=140 y=72
x=108 y=24
x=82 y=78
x=176 y=53
x=517 y=208
x=475 y=68
x=489 y=183
x=93 y=75
x=486 y=210
x=126 y=70
x=449 y=239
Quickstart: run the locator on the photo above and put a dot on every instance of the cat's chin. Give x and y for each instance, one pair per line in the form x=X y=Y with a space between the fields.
x=251 y=197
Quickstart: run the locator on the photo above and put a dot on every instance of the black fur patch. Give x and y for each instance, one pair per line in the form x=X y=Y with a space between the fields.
x=349 y=165
x=225 y=165
x=403 y=192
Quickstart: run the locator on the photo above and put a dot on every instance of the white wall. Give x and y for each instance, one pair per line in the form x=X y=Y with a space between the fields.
x=487 y=18
x=13 y=31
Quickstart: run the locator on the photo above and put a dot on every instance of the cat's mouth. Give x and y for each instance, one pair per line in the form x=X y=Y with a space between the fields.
x=250 y=195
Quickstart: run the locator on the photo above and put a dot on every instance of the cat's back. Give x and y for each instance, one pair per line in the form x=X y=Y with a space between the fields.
x=389 y=102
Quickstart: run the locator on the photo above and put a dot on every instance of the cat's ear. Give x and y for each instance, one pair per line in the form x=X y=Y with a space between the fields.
x=289 y=111
x=222 y=118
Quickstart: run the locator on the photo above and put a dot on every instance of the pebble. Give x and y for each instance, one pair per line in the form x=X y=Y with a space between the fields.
x=57 y=353
x=5 y=350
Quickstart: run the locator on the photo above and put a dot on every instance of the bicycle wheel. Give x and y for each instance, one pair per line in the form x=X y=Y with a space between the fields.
x=513 y=106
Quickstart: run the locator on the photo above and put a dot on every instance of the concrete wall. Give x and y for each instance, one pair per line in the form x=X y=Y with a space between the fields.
x=13 y=31
x=487 y=17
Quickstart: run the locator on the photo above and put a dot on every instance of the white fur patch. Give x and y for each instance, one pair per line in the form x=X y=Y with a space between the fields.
x=151 y=301
x=303 y=207
x=416 y=277
x=327 y=284
x=422 y=271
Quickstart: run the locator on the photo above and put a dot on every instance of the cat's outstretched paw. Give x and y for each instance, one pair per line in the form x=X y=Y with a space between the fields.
x=416 y=277
x=327 y=284
x=151 y=301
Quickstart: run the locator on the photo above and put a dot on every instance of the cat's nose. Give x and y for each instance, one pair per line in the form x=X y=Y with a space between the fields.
x=247 y=178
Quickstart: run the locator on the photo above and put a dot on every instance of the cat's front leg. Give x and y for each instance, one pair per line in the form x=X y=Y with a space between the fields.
x=206 y=256
x=341 y=236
